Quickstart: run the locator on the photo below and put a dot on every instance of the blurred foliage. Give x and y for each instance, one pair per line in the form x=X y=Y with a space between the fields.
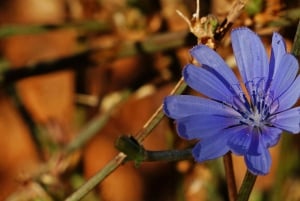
x=76 y=75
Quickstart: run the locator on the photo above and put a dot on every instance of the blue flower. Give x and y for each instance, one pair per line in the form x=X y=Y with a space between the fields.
x=230 y=119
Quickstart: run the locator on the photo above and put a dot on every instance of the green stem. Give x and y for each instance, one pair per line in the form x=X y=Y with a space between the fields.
x=136 y=152
x=247 y=186
x=169 y=155
x=296 y=44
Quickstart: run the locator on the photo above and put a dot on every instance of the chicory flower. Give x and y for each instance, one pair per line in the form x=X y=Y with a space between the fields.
x=245 y=122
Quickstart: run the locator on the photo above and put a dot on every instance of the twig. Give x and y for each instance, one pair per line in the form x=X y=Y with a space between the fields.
x=93 y=181
x=119 y=159
x=158 y=115
x=235 y=12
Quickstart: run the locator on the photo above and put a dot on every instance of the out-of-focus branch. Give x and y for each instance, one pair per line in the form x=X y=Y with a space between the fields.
x=70 y=62
x=84 y=59
x=89 y=26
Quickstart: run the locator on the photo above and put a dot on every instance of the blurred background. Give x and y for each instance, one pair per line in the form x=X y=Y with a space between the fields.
x=76 y=74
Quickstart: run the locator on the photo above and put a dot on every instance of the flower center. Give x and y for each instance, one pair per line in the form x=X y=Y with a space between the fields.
x=256 y=111
x=256 y=119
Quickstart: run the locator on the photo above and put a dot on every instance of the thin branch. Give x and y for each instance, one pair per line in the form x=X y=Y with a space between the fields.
x=99 y=176
x=235 y=12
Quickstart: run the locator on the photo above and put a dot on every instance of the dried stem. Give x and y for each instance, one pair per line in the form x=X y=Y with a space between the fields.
x=158 y=115
x=93 y=181
x=119 y=159
x=230 y=179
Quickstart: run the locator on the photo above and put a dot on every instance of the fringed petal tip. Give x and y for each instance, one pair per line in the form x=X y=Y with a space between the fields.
x=242 y=30
x=198 y=51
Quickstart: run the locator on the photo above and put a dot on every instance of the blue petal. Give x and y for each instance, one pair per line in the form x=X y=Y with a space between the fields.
x=278 y=48
x=288 y=98
x=270 y=136
x=206 y=56
x=239 y=142
x=254 y=147
x=201 y=126
x=259 y=164
x=250 y=56
x=277 y=51
x=284 y=76
x=179 y=106
x=211 y=148
x=288 y=120
x=206 y=83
